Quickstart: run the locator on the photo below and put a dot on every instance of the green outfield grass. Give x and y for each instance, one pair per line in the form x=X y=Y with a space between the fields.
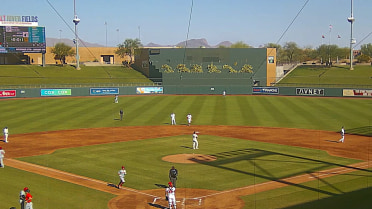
x=36 y=115
x=48 y=192
x=338 y=75
x=345 y=191
x=37 y=75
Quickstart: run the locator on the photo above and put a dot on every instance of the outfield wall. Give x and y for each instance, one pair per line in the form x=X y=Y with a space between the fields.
x=207 y=89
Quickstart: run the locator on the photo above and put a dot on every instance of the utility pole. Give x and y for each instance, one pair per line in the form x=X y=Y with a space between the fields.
x=106 y=33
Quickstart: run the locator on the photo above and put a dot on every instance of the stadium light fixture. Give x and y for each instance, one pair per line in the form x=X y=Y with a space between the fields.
x=76 y=21
x=351 y=20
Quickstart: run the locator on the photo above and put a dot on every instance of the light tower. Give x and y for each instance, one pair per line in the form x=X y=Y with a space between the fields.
x=352 y=40
x=76 y=21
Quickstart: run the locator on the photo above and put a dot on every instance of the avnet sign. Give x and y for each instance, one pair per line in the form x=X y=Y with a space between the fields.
x=309 y=91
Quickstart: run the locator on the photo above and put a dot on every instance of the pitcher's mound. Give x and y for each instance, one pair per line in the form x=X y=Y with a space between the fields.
x=189 y=158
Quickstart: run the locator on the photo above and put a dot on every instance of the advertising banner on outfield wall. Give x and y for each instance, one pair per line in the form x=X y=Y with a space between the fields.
x=357 y=92
x=55 y=92
x=265 y=90
x=104 y=91
x=149 y=90
x=309 y=92
x=8 y=93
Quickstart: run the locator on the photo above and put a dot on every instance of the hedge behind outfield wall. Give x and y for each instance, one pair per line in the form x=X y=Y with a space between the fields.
x=207 y=89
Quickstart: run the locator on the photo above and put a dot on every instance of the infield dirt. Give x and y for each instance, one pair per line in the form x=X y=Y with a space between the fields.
x=354 y=147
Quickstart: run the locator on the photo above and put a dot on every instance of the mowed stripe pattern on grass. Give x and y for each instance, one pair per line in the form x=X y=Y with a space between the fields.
x=295 y=112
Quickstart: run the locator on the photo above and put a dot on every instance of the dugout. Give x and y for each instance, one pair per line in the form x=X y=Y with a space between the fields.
x=149 y=61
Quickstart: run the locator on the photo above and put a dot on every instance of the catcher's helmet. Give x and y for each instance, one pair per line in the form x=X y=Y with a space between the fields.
x=170 y=184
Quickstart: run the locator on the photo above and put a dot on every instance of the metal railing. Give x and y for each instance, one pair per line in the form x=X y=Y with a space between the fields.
x=27 y=86
x=353 y=86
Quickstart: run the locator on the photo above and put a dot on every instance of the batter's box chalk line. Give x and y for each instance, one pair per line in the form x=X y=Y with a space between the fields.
x=156 y=198
x=192 y=201
x=184 y=201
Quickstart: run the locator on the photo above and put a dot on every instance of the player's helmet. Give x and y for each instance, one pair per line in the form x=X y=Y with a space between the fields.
x=25 y=189
x=1 y=148
x=122 y=167
x=170 y=184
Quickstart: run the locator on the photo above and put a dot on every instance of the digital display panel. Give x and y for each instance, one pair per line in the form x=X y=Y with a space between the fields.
x=149 y=90
x=55 y=92
x=18 y=39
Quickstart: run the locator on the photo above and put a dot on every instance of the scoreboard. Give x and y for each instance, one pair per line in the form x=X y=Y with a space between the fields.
x=20 y=39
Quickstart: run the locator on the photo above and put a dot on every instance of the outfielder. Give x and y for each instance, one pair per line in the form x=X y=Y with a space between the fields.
x=173 y=118
x=342 y=132
x=121 y=113
x=2 y=153
x=195 y=143
x=6 y=133
x=116 y=99
x=189 y=118
x=170 y=195
x=121 y=174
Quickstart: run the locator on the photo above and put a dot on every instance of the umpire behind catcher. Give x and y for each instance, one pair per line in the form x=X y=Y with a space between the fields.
x=173 y=173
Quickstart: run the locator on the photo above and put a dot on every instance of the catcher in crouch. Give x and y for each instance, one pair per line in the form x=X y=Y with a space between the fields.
x=170 y=195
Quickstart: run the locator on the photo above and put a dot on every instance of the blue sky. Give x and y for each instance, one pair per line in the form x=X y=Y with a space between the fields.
x=255 y=22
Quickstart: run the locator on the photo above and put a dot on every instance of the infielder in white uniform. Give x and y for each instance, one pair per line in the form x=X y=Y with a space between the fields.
x=195 y=143
x=173 y=118
x=2 y=153
x=6 y=133
x=342 y=132
x=189 y=118
x=121 y=174
x=170 y=194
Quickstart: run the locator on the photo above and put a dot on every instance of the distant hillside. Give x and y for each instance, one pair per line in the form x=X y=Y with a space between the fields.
x=224 y=44
x=193 y=43
x=50 y=42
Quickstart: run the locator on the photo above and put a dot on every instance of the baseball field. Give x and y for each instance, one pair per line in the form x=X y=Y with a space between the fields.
x=254 y=151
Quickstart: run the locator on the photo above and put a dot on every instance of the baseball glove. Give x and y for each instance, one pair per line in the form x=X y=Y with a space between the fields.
x=166 y=198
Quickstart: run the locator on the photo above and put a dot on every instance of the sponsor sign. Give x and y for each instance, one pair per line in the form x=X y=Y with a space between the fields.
x=55 y=92
x=357 y=92
x=149 y=90
x=103 y=91
x=265 y=90
x=12 y=20
x=310 y=91
x=8 y=93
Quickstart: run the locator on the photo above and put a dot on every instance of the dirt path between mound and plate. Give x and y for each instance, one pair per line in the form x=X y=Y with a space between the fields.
x=22 y=145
